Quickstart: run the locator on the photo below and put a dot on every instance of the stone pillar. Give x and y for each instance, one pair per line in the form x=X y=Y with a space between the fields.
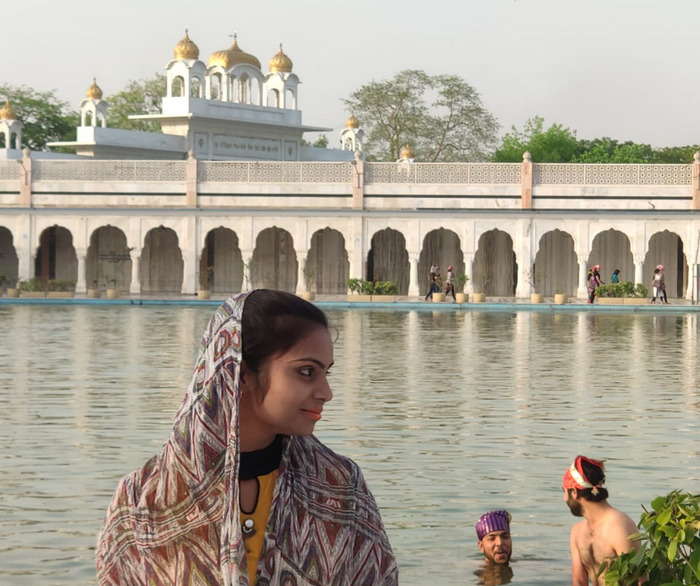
x=358 y=182
x=81 y=285
x=638 y=266
x=135 y=287
x=356 y=252
x=526 y=182
x=414 y=286
x=25 y=179
x=191 y=180
x=302 y=255
x=247 y=256
x=696 y=181
x=582 y=291
x=468 y=267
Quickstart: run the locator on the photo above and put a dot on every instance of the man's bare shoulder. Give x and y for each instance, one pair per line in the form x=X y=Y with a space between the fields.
x=618 y=528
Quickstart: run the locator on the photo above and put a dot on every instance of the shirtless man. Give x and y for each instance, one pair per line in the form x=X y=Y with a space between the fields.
x=493 y=532
x=604 y=532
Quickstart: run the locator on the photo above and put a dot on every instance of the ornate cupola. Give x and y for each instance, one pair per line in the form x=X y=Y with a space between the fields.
x=280 y=62
x=10 y=127
x=234 y=55
x=186 y=50
x=351 y=136
x=407 y=154
x=93 y=109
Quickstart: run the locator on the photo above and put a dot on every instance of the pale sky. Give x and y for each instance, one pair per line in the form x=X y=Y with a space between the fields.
x=626 y=69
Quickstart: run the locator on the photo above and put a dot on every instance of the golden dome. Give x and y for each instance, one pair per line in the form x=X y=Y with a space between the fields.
x=280 y=62
x=352 y=122
x=186 y=49
x=7 y=112
x=233 y=56
x=94 y=92
x=407 y=152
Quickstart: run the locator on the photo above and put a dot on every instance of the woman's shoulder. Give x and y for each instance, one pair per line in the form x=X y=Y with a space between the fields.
x=309 y=455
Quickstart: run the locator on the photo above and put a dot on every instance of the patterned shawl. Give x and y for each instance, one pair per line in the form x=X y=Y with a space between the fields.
x=175 y=521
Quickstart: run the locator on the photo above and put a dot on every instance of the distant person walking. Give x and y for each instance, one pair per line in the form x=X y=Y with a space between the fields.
x=658 y=285
x=450 y=283
x=594 y=281
x=615 y=276
x=433 y=286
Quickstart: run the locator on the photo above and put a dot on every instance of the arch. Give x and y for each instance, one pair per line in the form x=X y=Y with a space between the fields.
x=611 y=250
x=329 y=257
x=4 y=139
x=108 y=263
x=441 y=247
x=162 y=266
x=273 y=99
x=290 y=99
x=221 y=262
x=555 y=269
x=215 y=92
x=9 y=261
x=495 y=270
x=244 y=89
x=55 y=256
x=196 y=87
x=666 y=248
x=178 y=89
x=387 y=259
x=274 y=263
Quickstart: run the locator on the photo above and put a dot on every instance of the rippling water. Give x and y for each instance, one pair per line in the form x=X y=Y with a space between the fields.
x=449 y=415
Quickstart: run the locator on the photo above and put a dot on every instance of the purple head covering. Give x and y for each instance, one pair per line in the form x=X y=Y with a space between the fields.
x=492 y=521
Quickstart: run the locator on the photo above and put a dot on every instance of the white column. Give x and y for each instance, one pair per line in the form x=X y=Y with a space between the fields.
x=80 y=285
x=638 y=266
x=468 y=267
x=247 y=256
x=135 y=287
x=413 y=287
x=525 y=276
x=582 y=291
x=302 y=255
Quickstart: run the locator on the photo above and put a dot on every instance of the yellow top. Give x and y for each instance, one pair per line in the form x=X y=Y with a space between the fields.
x=186 y=49
x=234 y=55
x=280 y=62
x=254 y=543
x=7 y=112
x=94 y=92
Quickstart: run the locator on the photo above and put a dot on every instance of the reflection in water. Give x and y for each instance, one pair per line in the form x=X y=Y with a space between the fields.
x=449 y=414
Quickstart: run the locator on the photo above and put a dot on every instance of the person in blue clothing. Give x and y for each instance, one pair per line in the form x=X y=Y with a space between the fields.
x=615 y=276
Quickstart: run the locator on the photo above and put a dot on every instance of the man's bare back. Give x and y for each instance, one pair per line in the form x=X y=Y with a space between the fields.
x=594 y=542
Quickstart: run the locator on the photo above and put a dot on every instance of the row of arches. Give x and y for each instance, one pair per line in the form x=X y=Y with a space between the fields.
x=276 y=262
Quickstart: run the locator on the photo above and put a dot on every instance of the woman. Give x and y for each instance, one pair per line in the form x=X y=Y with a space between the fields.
x=450 y=282
x=242 y=492
x=594 y=281
x=615 y=276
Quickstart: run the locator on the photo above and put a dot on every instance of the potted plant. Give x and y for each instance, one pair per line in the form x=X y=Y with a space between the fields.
x=112 y=291
x=439 y=295
x=309 y=281
x=360 y=290
x=94 y=291
x=32 y=288
x=561 y=298
x=58 y=289
x=206 y=282
x=384 y=291
x=460 y=296
x=625 y=293
x=13 y=291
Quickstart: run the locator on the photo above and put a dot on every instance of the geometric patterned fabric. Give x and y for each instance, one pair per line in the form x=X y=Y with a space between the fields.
x=176 y=520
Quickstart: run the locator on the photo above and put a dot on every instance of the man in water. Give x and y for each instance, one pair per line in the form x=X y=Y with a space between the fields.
x=604 y=532
x=493 y=531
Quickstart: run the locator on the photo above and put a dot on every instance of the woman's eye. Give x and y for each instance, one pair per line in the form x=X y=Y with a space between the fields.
x=306 y=371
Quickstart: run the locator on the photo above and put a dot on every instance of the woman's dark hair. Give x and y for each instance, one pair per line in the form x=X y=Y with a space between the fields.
x=595 y=476
x=616 y=272
x=272 y=322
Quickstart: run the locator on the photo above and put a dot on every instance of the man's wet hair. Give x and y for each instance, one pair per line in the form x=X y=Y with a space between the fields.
x=595 y=475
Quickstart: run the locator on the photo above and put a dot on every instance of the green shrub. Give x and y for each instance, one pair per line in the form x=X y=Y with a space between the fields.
x=58 y=285
x=624 y=289
x=372 y=288
x=33 y=284
x=670 y=552
x=385 y=288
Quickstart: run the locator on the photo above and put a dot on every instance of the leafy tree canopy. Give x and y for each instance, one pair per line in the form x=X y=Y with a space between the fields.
x=143 y=96
x=45 y=118
x=440 y=116
x=554 y=145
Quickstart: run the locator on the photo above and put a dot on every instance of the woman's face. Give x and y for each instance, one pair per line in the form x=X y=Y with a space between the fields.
x=297 y=390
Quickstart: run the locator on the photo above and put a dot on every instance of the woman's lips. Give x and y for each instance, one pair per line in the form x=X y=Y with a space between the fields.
x=315 y=415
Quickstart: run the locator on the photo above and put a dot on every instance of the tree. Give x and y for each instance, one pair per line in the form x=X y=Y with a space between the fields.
x=440 y=116
x=144 y=96
x=45 y=117
x=554 y=145
x=607 y=150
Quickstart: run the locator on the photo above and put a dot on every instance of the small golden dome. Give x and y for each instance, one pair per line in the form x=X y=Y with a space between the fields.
x=7 y=112
x=233 y=56
x=94 y=92
x=407 y=152
x=186 y=49
x=352 y=122
x=280 y=63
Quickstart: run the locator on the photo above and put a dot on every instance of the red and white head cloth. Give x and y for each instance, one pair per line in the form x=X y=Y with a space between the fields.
x=575 y=477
